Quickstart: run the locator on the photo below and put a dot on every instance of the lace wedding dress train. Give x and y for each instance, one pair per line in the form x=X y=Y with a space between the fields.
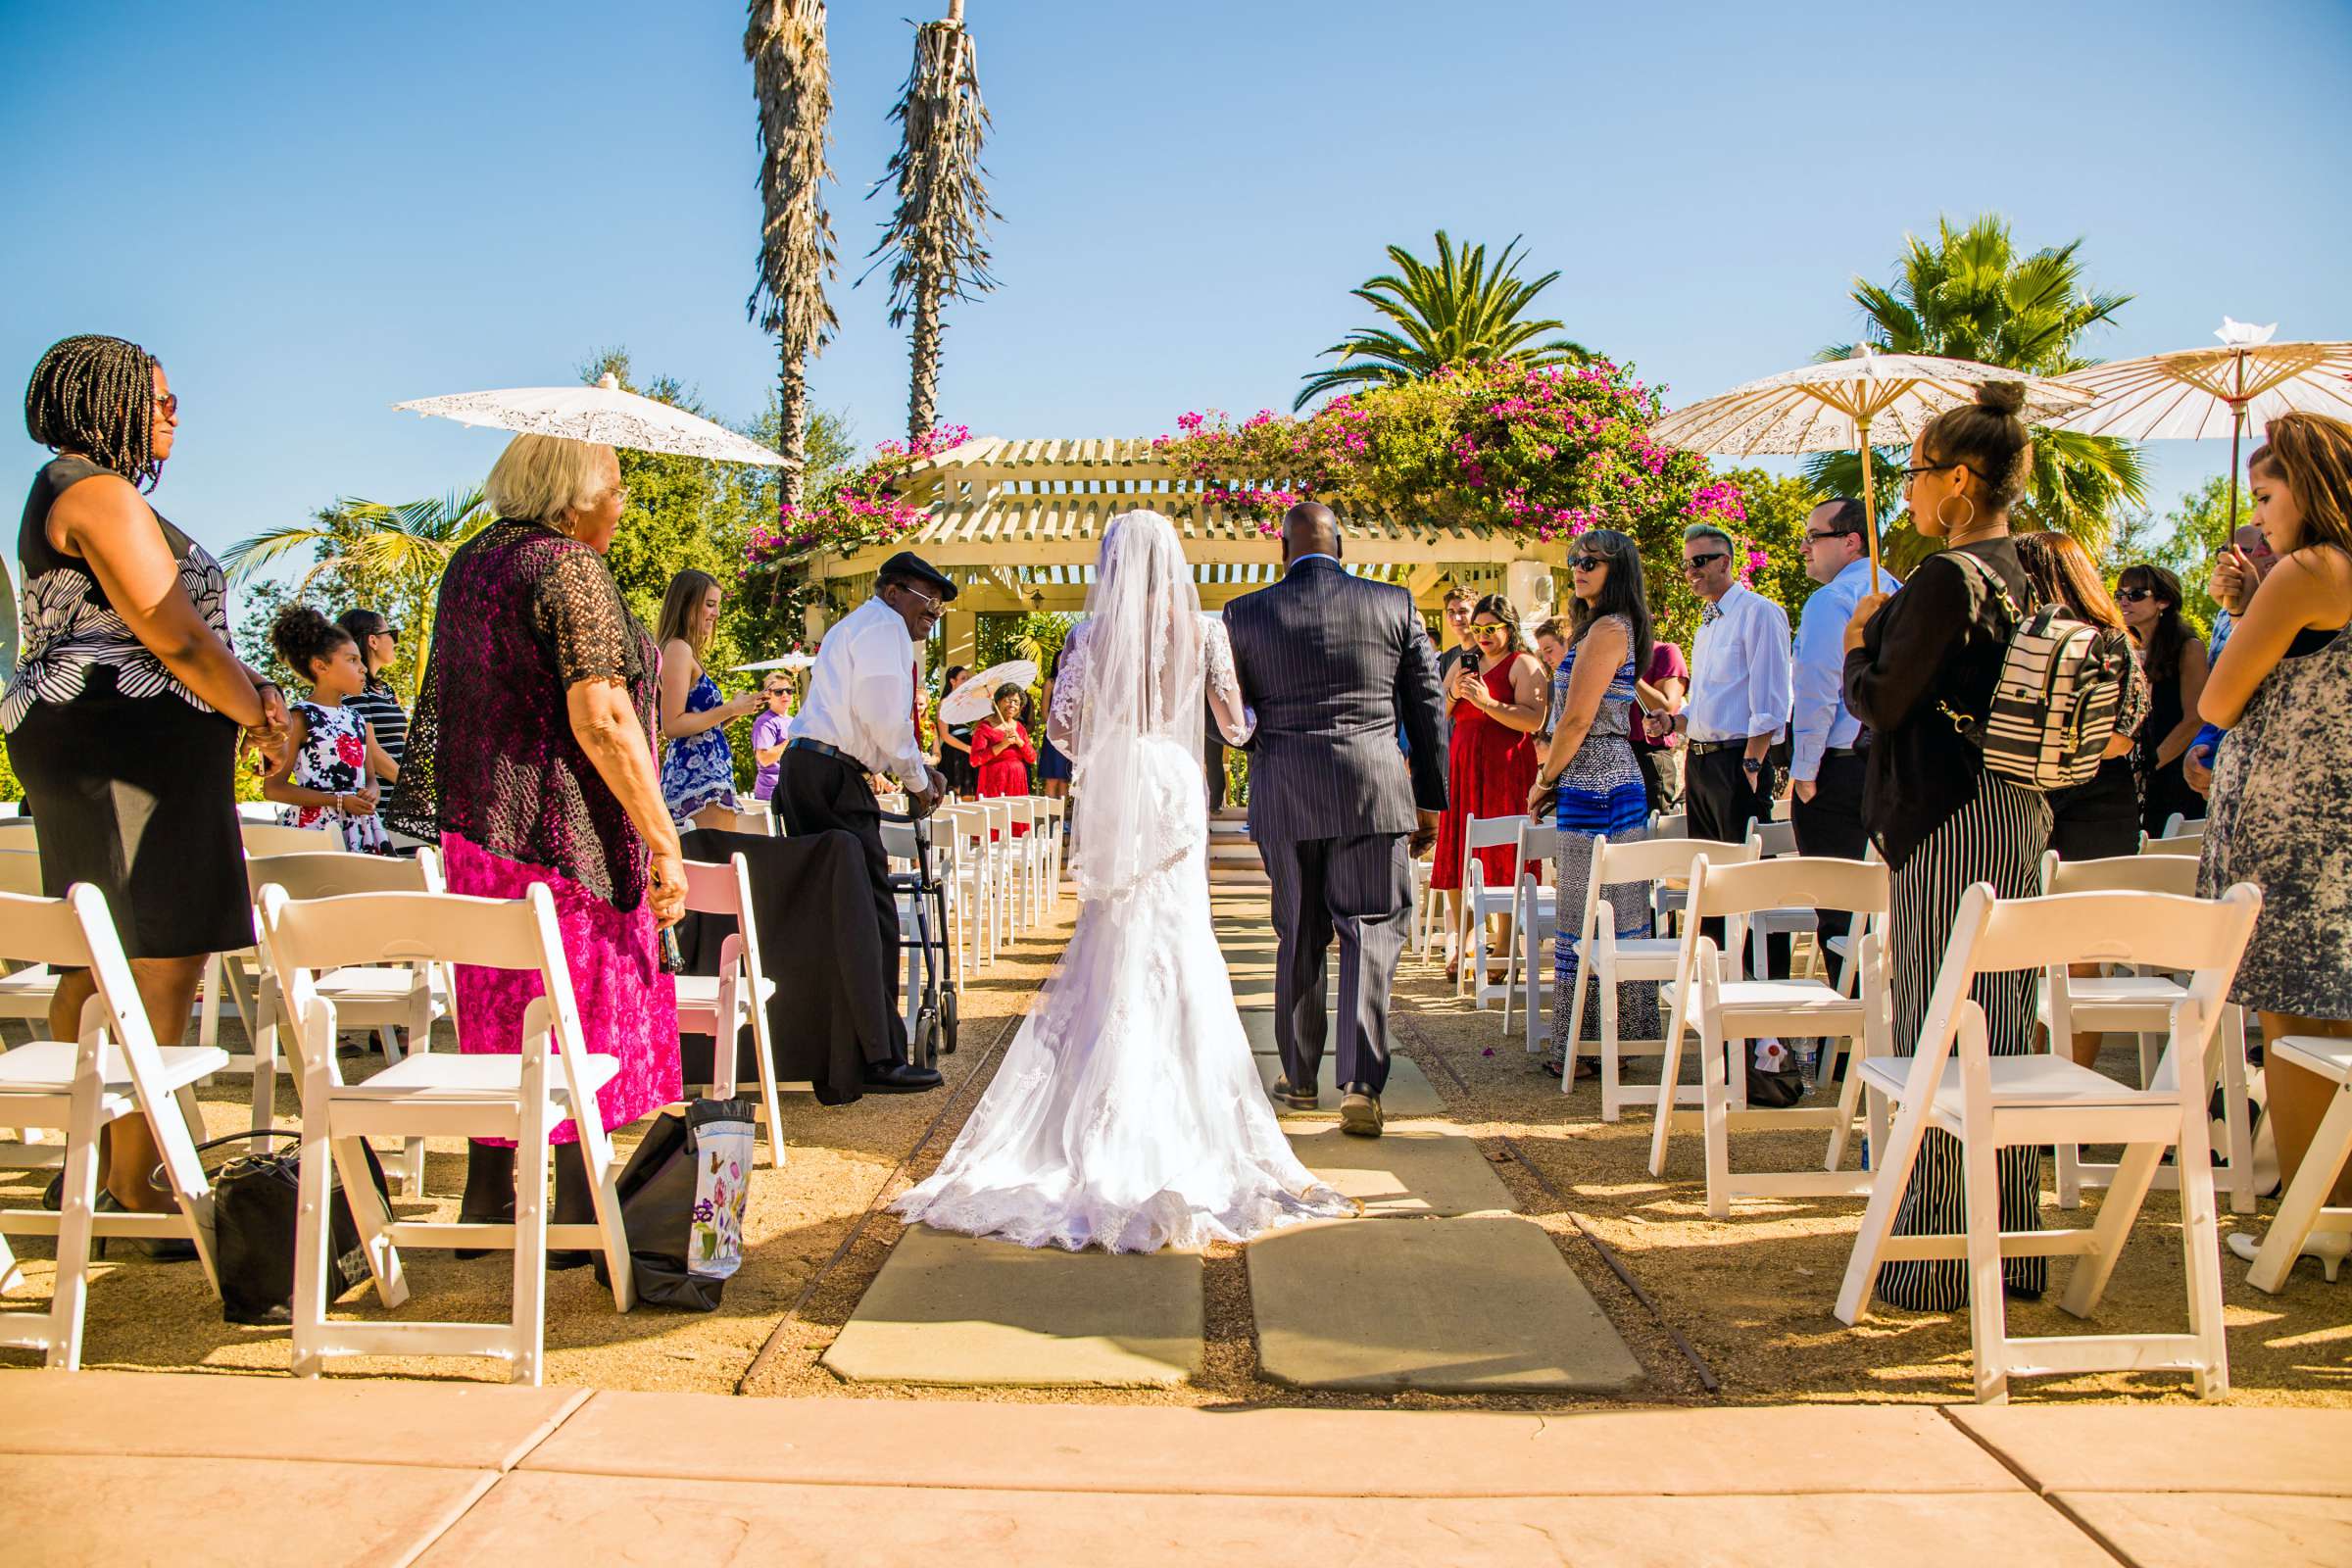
x=1128 y=1113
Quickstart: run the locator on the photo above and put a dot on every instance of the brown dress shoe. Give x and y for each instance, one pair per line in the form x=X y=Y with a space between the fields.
x=1292 y=1098
x=1359 y=1114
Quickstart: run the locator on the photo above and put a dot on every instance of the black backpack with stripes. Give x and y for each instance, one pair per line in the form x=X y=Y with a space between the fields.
x=2054 y=706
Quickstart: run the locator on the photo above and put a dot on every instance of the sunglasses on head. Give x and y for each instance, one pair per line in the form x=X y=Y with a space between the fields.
x=1695 y=562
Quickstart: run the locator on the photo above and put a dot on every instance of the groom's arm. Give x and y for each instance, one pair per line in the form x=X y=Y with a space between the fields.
x=1236 y=639
x=1422 y=710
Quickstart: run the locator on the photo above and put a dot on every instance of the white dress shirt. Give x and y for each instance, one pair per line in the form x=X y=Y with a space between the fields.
x=862 y=695
x=1822 y=720
x=1739 y=670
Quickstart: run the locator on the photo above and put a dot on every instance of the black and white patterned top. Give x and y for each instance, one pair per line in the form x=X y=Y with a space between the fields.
x=70 y=629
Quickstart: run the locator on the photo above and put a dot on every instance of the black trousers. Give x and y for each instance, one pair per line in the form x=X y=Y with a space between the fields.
x=1831 y=823
x=1213 y=764
x=1361 y=890
x=815 y=792
x=1721 y=802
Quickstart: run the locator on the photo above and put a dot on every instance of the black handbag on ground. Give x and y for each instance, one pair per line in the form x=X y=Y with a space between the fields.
x=257 y=1201
x=682 y=1198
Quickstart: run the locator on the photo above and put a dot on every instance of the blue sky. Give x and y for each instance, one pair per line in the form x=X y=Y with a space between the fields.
x=312 y=210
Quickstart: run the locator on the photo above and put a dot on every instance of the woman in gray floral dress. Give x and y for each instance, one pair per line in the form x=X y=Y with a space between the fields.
x=2281 y=799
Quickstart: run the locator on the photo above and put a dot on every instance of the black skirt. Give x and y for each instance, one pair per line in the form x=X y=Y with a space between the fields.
x=137 y=797
x=2098 y=820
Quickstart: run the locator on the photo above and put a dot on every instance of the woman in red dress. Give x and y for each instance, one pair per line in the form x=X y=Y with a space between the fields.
x=1491 y=764
x=1003 y=752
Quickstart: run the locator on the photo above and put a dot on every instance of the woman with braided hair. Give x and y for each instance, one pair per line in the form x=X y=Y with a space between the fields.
x=124 y=714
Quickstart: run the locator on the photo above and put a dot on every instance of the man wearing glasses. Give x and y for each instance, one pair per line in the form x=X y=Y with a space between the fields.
x=1739 y=702
x=859 y=719
x=1827 y=762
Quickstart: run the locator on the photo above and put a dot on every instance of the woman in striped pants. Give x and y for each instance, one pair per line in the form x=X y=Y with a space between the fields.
x=1915 y=664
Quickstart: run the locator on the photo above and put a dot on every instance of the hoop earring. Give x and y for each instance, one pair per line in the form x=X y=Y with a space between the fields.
x=1949 y=530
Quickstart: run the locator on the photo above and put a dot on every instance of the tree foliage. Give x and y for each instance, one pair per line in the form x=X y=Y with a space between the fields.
x=937 y=236
x=1458 y=314
x=792 y=81
x=1968 y=293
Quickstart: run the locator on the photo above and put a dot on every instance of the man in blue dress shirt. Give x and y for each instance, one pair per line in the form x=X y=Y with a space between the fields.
x=1825 y=763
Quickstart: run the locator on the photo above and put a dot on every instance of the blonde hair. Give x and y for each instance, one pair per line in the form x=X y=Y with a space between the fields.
x=539 y=478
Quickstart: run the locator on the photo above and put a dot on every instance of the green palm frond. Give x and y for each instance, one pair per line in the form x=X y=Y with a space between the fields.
x=1460 y=310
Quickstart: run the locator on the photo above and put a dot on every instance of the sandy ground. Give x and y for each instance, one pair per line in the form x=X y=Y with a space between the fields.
x=1751 y=1295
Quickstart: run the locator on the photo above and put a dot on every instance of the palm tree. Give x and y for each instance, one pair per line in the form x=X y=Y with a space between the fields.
x=791 y=78
x=387 y=555
x=936 y=235
x=1968 y=294
x=1456 y=313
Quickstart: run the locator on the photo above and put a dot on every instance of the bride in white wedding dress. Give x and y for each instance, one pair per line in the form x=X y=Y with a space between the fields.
x=1128 y=1113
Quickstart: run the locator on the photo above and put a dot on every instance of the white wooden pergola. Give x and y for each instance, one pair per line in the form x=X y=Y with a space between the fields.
x=1017 y=527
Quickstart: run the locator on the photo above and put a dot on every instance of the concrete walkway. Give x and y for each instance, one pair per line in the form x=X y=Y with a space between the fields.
x=1439 y=1285
x=126 y=1468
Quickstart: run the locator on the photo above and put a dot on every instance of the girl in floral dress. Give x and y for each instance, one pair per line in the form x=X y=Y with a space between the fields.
x=328 y=777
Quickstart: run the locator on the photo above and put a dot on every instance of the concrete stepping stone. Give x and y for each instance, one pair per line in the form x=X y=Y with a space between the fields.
x=1408 y=1092
x=969 y=1312
x=1479 y=1305
x=1406 y=1172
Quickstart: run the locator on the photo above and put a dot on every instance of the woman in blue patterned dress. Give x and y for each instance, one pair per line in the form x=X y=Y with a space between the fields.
x=1591 y=762
x=698 y=767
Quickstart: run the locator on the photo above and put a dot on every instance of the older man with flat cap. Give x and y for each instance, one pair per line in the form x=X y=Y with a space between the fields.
x=859 y=720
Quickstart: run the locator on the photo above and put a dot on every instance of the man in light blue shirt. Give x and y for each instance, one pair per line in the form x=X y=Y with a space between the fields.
x=1825 y=763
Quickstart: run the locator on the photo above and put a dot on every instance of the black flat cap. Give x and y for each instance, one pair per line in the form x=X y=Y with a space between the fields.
x=906 y=564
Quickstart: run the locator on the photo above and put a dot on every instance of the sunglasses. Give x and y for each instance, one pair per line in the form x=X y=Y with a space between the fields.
x=170 y=404
x=1488 y=628
x=2134 y=596
x=1813 y=538
x=1697 y=563
x=1587 y=563
x=1917 y=470
x=934 y=605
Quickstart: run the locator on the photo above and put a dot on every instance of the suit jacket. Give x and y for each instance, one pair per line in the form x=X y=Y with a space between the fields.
x=1334 y=666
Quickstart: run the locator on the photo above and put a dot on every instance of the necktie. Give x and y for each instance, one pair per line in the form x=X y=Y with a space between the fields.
x=1709 y=614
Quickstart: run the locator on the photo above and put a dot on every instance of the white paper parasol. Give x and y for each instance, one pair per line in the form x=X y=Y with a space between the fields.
x=603 y=414
x=788 y=662
x=976 y=699
x=2198 y=394
x=1845 y=406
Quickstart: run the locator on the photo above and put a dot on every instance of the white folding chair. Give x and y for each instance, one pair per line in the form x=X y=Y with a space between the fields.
x=1005 y=863
x=398 y=1003
x=275 y=838
x=755 y=817
x=26 y=990
x=523 y=1097
x=720 y=1004
x=19 y=833
x=114 y=1070
x=1605 y=959
x=2180 y=826
x=1052 y=818
x=1774 y=841
x=2303 y=1208
x=1481 y=902
x=2191 y=846
x=971 y=894
x=2141 y=1005
x=1726 y=1012
x=1029 y=849
x=1956 y=1083
x=1534 y=908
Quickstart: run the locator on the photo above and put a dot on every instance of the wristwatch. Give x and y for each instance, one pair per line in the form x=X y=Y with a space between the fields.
x=1753 y=764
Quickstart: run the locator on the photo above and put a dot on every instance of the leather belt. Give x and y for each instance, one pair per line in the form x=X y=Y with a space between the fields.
x=1843 y=751
x=801 y=743
x=1708 y=748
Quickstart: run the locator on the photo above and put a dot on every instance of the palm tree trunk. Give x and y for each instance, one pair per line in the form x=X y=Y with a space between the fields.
x=792 y=402
x=922 y=400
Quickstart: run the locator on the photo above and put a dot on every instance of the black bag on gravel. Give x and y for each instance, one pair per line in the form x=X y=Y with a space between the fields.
x=682 y=1198
x=257 y=1200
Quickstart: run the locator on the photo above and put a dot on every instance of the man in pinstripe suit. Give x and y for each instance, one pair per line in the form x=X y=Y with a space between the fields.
x=1333 y=666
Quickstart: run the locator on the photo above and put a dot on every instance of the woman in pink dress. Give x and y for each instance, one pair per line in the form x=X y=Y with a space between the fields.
x=1497 y=709
x=531 y=760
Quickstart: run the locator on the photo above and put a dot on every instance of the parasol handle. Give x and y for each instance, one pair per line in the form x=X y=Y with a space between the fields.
x=1870 y=503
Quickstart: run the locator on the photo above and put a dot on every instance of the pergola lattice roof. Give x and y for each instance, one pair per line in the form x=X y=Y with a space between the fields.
x=1032 y=513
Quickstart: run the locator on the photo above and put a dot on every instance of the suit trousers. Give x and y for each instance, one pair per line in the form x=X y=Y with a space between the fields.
x=814 y=793
x=1831 y=823
x=1721 y=802
x=1361 y=890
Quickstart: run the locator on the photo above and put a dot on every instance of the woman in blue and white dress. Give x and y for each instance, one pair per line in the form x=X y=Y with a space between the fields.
x=1590 y=762
x=698 y=766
